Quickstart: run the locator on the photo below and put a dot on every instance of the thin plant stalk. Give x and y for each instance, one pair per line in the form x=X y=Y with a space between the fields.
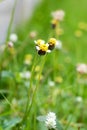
x=35 y=90
x=30 y=86
x=11 y=21
x=29 y=104
x=55 y=55
x=9 y=28
x=37 y=85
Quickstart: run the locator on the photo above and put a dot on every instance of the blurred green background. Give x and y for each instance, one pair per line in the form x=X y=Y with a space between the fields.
x=60 y=99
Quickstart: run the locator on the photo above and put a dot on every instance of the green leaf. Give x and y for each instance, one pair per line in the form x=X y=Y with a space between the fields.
x=42 y=126
x=11 y=123
x=41 y=118
x=6 y=74
x=59 y=126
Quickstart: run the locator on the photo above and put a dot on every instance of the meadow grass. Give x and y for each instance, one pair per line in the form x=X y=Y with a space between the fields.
x=22 y=99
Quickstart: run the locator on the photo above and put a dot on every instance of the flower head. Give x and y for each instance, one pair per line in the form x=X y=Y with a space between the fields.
x=41 y=47
x=25 y=75
x=58 y=15
x=52 y=42
x=39 y=42
x=13 y=37
x=82 y=68
x=51 y=83
x=50 y=120
x=78 y=99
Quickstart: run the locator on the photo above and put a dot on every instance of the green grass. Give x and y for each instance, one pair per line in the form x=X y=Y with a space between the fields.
x=60 y=98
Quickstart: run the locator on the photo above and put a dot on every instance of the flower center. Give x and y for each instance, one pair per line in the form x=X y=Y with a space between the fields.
x=52 y=41
x=43 y=47
x=39 y=42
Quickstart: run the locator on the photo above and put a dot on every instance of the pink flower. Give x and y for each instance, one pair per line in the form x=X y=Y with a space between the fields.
x=58 y=15
x=82 y=68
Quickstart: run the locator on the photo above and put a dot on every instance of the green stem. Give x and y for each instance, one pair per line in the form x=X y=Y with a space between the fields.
x=11 y=21
x=37 y=85
x=9 y=31
x=31 y=79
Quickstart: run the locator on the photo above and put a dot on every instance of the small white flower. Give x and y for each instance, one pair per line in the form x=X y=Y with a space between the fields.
x=58 y=45
x=82 y=68
x=78 y=99
x=58 y=15
x=25 y=75
x=51 y=83
x=13 y=37
x=50 y=120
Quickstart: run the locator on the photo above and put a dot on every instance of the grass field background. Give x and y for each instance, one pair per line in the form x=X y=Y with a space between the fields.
x=61 y=98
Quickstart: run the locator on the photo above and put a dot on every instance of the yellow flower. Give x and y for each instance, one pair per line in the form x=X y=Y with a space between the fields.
x=44 y=47
x=39 y=42
x=41 y=47
x=52 y=42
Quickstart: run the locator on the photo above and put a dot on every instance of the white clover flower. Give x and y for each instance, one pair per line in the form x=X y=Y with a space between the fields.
x=82 y=68
x=78 y=99
x=58 y=45
x=50 y=120
x=25 y=75
x=13 y=37
x=58 y=15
